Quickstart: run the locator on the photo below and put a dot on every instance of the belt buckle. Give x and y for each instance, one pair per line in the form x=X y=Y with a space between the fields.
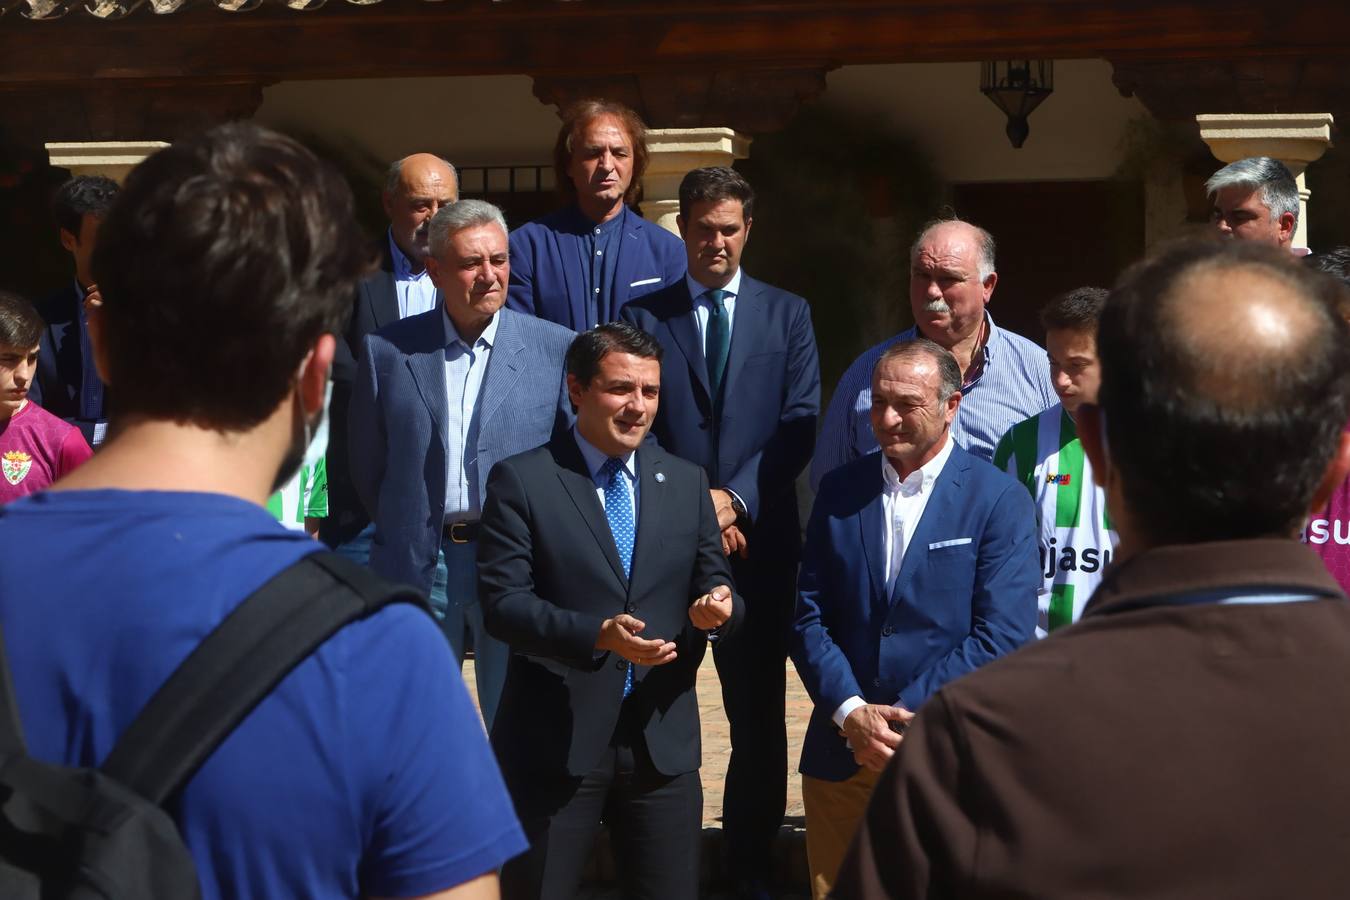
x=458 y=533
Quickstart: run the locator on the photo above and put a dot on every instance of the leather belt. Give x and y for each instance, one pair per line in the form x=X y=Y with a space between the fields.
x=460 y=532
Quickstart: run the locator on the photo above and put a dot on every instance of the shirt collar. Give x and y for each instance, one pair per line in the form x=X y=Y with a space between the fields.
x=595 y=460
x=921 y=480
x=488 y=337
x=580 y=223
x=402 y=265
x=696 y=290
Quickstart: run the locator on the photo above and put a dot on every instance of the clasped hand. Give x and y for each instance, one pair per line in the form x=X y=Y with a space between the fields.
x=869 y=733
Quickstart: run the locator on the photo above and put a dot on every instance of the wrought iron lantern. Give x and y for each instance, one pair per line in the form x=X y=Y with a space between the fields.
x=1017 y=86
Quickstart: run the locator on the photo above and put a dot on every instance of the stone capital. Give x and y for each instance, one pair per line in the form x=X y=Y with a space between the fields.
x=111 y=158
x=672 y=153
x=1296 y=139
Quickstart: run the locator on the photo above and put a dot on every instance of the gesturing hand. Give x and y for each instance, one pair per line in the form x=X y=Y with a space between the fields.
x=619 y=635
x=712 y=609
x=869 y=732
x=733 y=541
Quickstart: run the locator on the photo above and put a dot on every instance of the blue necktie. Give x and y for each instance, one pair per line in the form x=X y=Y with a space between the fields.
x=717 y=344
x=619 y=512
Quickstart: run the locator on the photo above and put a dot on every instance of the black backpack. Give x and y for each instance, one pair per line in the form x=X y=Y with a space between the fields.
x=103 y=833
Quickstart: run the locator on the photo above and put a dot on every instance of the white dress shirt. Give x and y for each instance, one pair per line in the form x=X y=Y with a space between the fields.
x=703 y=306
x=464 y=370
x=902 y=506
x=595 y=461
x=415 y=290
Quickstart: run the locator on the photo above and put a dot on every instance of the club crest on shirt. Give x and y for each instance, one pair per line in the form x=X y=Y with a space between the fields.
x=15 y=464
x=1052 y=478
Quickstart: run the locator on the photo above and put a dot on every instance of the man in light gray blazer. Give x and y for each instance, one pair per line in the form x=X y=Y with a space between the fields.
x=439 y=398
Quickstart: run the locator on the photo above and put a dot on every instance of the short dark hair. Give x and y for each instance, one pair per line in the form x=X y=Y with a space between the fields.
x=1078 y=309
x=80 y=196
x=1194 y=433
x=716 y=183
x=575 y=117
x=949 y=371
x=223 y=260
x=20 y=324
x=1334 y=262
x=590 y=347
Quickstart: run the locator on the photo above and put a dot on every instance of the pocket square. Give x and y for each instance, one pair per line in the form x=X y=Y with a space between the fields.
x=644 y=281
x=954 y=542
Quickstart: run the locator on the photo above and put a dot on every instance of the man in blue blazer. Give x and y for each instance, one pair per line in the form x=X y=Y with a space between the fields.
x=740 y=392
x=439 y=398
x=580 y=266
x=920 y=565
x=415 y=188
x=67 y=384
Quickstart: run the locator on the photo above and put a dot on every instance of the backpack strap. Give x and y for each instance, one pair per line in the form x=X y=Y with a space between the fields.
x=240 y=663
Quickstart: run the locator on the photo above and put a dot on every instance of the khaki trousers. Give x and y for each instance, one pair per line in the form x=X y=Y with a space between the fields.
x=833 y=811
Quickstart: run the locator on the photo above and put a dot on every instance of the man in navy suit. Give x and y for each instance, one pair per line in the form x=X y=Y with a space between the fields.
x=439 y=398
x=740 y=389
x=67 y=384
x=601 y=565
x=415 y=188
x=920 y=565
x=580 y=266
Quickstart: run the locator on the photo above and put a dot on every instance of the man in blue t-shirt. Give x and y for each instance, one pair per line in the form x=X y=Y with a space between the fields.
x=226 y=267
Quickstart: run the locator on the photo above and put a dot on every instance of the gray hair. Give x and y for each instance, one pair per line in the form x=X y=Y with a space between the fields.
x=458 y=216
x=949 y=372
x=1279 y=190
x=984 y=244
x=395 y=172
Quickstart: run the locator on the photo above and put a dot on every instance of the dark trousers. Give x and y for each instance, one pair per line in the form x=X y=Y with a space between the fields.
x=752 y=670
x=655 y=826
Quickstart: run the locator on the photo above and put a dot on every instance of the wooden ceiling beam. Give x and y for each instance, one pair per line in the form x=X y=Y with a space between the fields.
x=597 y=37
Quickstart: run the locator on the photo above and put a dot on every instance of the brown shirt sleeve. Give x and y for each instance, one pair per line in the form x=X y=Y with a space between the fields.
x=918 y=837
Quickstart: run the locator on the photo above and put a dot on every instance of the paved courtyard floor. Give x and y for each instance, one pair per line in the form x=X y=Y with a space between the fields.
x=717 y=753
x=717 y=736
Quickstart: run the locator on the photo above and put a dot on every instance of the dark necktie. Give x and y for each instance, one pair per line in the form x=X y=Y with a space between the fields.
x=717 y=344
x=619 y=512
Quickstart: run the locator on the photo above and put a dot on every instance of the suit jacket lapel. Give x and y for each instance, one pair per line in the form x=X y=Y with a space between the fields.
x=871 y=522
x=576 y=479
x=383 y=294
x=625 y=269
x=946 y=493
x=747 y=322
x=428 y=371
x=684 y=330
x=504 y=367
x=651 y=508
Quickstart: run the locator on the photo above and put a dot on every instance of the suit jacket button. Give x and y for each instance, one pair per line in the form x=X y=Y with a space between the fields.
x=704 y=424
x=876 y=682
x=887 y=631
x=621 y=664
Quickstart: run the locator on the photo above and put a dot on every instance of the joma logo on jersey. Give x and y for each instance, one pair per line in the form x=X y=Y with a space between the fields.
x=1052 y=478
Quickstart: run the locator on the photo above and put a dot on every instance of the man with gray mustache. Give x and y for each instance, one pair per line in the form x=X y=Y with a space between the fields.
x=1004 y=375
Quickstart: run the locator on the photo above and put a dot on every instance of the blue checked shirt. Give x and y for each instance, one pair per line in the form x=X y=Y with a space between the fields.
x=1013 y=385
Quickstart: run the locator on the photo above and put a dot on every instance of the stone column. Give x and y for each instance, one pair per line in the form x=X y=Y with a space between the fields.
x=1295 y=139
x=672 y=154
x=111 y=158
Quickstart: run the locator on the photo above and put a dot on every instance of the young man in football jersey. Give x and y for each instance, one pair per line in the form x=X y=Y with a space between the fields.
x=1043 y=452
x=36 y=448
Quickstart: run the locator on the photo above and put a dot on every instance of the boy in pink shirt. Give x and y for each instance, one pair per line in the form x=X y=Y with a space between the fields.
x=36 y=448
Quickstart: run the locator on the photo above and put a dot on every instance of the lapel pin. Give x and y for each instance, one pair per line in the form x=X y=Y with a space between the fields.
x=660 y=478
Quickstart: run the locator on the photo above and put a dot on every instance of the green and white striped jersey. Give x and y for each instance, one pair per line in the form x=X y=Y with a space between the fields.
x=305 y=495
x=1076 y=538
